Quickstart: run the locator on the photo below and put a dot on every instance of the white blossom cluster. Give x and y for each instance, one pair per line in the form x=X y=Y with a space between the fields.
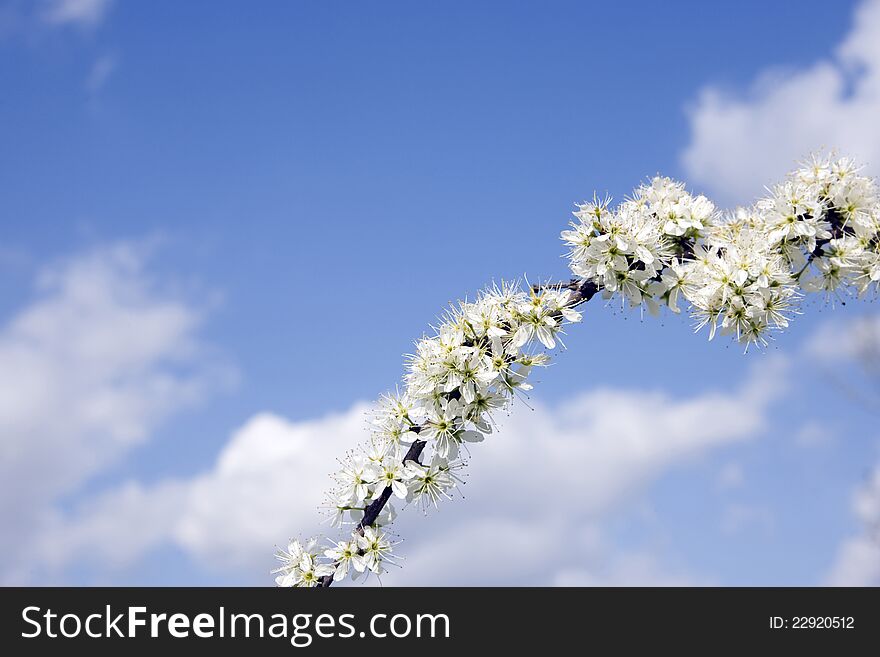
x=625 y=251
x=825 y=219
x=481 y=354
x=742 y=273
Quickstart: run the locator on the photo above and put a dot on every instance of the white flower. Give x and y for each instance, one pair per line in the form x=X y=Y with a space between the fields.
x=343 y=554
x=374 y=548
x=795 y=211
x=391 y=474
x=339 y=509
x=444 y=425
x=674 y=279
x=487 y=318
x=430 y=484
x=356 y=477
x=470 y=375
x=537 y=319
x=478 y=410
x=395 y=417
x=299 y=565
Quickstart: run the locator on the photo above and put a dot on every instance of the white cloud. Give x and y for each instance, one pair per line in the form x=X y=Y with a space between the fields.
x=730 y=476
x=90 y=367
x=627 y=569
x=846 y=339
x=100 y=72
x=30 y=18
x=535 y=491
x=837 y=346
x=87 y=13
x=847 y=350
x=738 y=518
x=814 y=434
x=858 y=558
x=743 y=141
x=267 y=481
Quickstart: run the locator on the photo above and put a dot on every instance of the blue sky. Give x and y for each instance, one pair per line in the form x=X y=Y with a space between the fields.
x=274 y=204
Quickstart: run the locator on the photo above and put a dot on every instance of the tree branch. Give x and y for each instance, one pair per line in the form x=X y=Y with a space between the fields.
x=582 y=291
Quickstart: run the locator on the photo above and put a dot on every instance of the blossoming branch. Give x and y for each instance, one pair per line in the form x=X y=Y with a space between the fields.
x=742 y=274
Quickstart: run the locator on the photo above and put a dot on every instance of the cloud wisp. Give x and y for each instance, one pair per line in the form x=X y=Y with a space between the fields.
x=97 y=360
x=857 y=562
x=741 y=140
x=80 y=13
x=598 y=449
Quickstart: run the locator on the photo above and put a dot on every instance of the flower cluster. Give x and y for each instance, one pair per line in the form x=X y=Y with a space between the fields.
x=825 y=218
x=742 y=272
x=625 y=251
x=737 y=281
x=481 y=354
x=300 y=567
